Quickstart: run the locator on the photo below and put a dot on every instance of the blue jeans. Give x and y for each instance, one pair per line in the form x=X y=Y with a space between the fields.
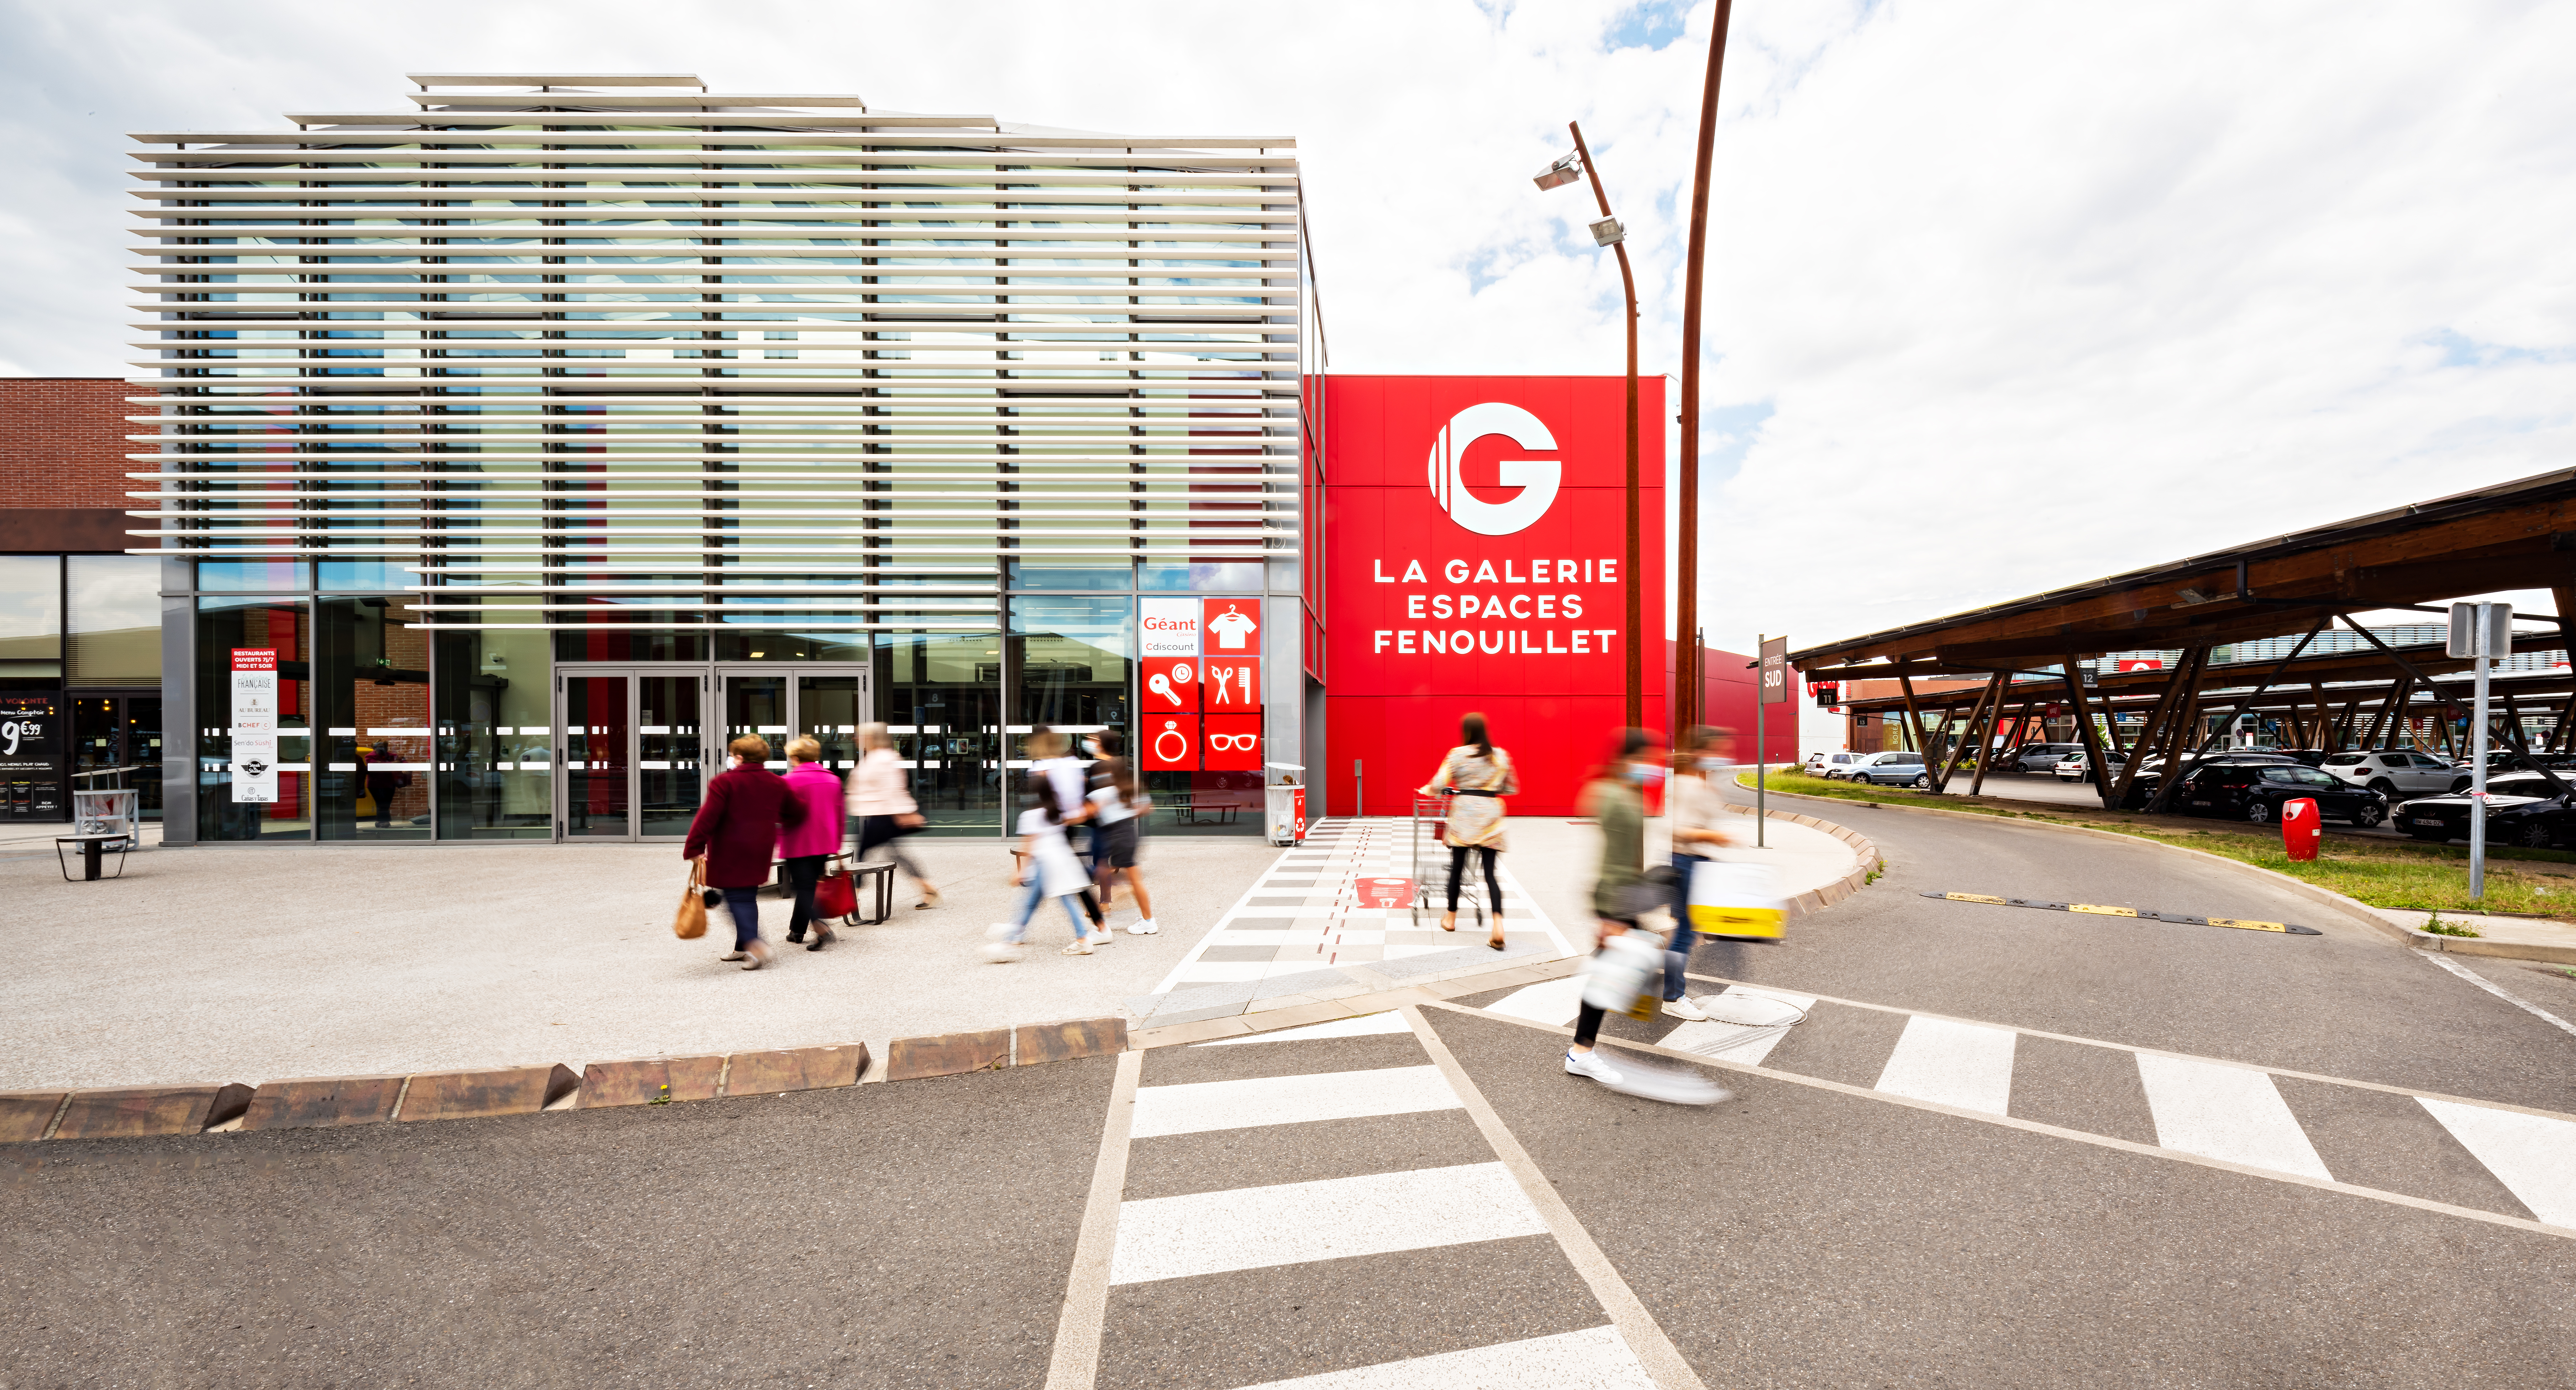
x=1677 y=952
x=744 y=904
x=1029 y=907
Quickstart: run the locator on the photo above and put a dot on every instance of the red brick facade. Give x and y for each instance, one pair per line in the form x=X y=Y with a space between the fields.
x=63 y=464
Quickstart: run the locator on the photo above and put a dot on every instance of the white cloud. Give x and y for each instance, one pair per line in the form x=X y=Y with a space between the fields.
x=2002 y=296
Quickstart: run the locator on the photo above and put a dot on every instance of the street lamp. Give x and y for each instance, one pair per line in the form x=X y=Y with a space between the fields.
x=1608 y=232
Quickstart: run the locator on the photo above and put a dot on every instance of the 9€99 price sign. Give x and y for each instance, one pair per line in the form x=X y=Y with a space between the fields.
x=1198 y=706
x=1477 y=562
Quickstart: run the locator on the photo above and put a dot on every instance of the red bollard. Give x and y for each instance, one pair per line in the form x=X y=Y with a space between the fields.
x=2301 y=830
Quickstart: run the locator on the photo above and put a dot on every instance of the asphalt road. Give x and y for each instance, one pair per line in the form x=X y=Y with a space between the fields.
x=1893 y=1196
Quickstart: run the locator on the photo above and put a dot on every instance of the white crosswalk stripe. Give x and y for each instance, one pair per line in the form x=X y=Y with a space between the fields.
x=2534 y=1156
x=1963 y=1064
x=1200 y=1106
x=1366 y=1025
x=1595 y=1358
x=2224 y=1112
x=1331 y=1219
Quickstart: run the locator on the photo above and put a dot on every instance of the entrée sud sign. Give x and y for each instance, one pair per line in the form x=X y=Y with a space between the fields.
x=1479 y=591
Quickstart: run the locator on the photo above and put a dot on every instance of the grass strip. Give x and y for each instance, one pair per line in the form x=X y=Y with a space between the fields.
x=2398 y=874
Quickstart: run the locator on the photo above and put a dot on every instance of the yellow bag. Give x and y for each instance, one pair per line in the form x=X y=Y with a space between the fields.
x=691 y=923
x=1735 y=900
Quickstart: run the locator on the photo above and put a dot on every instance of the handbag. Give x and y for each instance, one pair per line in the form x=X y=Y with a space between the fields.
x=1735 y=900
x=691 y=923
x=836 y=894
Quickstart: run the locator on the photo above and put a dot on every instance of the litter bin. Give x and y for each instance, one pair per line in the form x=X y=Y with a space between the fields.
x=1286 y=817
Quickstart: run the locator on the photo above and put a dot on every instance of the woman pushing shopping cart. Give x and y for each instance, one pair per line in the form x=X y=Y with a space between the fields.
x=1477 y=776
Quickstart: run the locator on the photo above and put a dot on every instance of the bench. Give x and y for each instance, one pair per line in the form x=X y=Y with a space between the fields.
x=92 y=848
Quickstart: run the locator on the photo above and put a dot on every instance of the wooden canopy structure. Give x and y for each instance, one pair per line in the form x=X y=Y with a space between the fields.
x=2516 y=535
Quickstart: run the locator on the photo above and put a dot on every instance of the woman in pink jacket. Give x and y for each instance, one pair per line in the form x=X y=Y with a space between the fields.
x=881 y=806
x=807 y=846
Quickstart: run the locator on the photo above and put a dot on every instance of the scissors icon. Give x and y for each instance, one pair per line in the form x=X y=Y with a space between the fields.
x=1161 y=685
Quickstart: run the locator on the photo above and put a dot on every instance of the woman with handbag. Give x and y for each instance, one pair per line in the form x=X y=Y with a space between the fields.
x=735 y=830
x=806 y=848
x=882 y=810
x=1696 y=809
x=1479 y=776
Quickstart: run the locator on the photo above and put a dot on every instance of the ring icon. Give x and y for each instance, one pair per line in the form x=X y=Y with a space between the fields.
x=1172 y=731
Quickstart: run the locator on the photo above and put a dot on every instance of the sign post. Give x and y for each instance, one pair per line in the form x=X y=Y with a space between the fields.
x=1775 y=691
x=2482 y=631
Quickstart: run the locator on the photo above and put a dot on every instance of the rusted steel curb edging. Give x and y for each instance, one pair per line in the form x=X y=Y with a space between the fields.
x=332 y=1101
x=2354 y=908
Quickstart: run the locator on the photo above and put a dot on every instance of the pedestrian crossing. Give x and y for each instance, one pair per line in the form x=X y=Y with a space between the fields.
x=1386 y=1241
x=2209 y=1109
x=1310 y=911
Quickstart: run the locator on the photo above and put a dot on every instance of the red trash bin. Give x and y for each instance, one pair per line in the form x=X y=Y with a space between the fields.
x=2301 y=830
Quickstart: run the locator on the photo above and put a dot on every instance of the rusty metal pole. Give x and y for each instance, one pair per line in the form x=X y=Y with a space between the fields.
x=1686 y=708
x=1636 y=577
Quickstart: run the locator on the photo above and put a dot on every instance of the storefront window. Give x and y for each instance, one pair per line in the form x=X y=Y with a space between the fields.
x=1070 y=659
x=495 y=742
x=115 y=629
x=31 y=616
x=251 y=576
x=366 y=576
x=942 y=703
x=1242 y=576
x=249 y=627
x=371 y=691
x=1115 y=576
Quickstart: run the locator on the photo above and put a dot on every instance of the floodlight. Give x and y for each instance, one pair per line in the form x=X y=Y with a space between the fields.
x=1559 y=174
x=1608 y=232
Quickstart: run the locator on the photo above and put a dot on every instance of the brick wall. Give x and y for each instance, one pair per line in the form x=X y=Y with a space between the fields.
x=62 y=442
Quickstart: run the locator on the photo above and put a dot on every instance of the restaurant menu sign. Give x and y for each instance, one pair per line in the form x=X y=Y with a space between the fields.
x=254 y=725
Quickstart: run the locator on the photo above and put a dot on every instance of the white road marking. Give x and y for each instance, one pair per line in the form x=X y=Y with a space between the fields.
x=1552 y=1002
x=1592 y=1359
x=2226 y=1113
x=1331 y=1219
x=1199 y=1106
x=1735 y=1042
x=1961 y=1064
x=2491 y=987
x=2534 y=1156
x=1366 y=1025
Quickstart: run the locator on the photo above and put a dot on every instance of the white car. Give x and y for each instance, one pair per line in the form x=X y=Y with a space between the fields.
x=2397 y=773
x=1831 y=765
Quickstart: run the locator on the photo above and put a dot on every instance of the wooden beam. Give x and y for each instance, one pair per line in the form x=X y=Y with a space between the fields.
x=1986 y=753
x=1993 y=692
x=2095 y=768
x=2177 y=694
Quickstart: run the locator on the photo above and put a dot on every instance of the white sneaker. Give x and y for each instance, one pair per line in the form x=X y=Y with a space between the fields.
x=1142 y=926
x=1079 y=948
x=1590 y=1064
x=732 y=955
x=1001 y=953
x=1684 y=1008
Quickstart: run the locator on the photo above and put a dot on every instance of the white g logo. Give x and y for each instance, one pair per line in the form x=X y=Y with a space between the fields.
x=1536 y=478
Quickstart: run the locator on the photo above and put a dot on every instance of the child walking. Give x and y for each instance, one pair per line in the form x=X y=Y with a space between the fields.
x=1052 y=872
x=1118 y=807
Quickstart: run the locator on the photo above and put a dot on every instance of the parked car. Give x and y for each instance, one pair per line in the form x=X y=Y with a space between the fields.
x=2077 y=767
x=1892 y=770
x=2397 y=773
x=2036 y=757
x=2254 y=791
x=1831 y=765
x=2522 y=809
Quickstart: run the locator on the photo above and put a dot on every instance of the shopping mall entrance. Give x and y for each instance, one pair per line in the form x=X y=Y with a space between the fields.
x=640 y=742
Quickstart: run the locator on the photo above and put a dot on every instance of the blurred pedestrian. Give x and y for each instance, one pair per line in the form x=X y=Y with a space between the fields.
x=1613 y=797
x=882 y=810
x=1118 y=807
x=1049 y=871
x=804 y=849
x=1698 y=813
x=1069 y=782
x=735 y=830
x=1478 y=776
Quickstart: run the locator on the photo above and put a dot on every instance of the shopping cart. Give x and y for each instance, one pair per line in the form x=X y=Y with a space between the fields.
x=1431 y=860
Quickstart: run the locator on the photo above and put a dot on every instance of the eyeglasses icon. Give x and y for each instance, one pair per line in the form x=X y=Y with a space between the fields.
x=1233 y=743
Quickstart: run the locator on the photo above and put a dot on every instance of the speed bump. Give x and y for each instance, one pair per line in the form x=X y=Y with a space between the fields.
x=2100 y=910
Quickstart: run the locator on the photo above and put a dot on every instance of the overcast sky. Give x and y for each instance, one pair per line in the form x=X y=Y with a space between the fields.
x=2003 y=296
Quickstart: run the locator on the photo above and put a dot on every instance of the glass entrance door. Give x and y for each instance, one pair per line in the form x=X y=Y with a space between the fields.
x=827 y=703
x=634 y=756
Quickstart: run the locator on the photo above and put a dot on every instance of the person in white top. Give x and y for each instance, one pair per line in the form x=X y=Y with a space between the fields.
x=1051 y=872
x=1068 y=781
x=1118 y=808
x=882 y=809
x=1697 y=811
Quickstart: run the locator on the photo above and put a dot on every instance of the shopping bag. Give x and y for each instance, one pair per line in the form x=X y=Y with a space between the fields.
x=1624 y=973
x=836 y=893
x=691 y=923
x=1735 y=900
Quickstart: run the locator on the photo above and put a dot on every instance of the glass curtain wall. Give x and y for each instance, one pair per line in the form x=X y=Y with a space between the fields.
x=494 y=734
x=371 y=685
x=282 y=625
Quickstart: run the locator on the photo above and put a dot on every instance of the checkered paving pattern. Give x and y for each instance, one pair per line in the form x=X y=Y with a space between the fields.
x=1305 y=913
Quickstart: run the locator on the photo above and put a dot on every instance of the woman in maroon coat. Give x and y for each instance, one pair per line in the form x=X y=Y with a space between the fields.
x=736 y=828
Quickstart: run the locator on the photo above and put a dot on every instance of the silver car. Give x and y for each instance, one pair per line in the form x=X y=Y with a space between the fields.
x=2396 y=773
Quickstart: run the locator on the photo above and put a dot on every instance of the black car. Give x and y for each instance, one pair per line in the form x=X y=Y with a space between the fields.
x=2522 y=809
x=2151 y=773
x=2255 y=791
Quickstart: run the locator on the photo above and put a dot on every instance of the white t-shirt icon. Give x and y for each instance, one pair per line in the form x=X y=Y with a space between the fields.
x=1231 y=627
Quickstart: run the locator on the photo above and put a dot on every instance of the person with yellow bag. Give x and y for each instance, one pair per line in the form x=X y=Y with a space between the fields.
x=1696 y=809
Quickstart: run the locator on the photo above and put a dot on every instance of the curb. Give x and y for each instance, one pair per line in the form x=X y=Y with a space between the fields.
x=331 y=1101
x=1817 y=899
x=2354 y=908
